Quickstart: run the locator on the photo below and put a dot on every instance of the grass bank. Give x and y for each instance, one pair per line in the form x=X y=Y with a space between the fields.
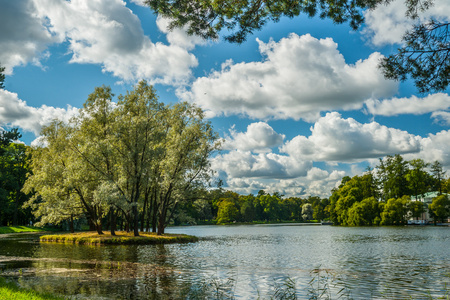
x=10 y=290
x=121 y=238
x=17 y=229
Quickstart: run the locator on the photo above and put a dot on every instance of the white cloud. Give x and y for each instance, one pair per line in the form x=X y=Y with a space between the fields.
x=103 y=32
x=311 y=185
x=387 y=23
x=23 y=38
x=139 y=2
x=244 y=164
x=300 y=77
x=15 y=112
x=178 y=36
x=260 y=137
x=412 y=105
x=435 y=147
x=336 y=139
x=441 y=117
x=333 y=139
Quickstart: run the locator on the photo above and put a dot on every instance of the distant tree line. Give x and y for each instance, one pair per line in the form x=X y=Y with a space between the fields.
x=386 y=196
x=221 y=206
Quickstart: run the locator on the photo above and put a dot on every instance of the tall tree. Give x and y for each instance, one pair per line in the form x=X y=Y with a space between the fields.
x=438 y=174
x=184 y=163
x=392 y=175
x=52 y=184
x=418 y=179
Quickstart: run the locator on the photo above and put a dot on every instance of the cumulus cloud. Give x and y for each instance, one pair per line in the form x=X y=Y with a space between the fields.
x=299 y=77
x=178 y=36
x=333 y=139
x=435 y=147
x=244 y=164
x=412 y=105
x=336 y=139
x=15 y=112
x=441 y=117
x=103 y=32
x=388 y=23
x=299 y=187
x=259 y=137
x=23 y=38
x=139 y=2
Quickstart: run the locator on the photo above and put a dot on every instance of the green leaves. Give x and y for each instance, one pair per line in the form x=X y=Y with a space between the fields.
x=114 y=157
x=425 y=57
x=207 y=18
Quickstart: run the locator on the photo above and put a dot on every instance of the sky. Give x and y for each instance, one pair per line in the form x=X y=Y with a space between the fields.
x=299 y=105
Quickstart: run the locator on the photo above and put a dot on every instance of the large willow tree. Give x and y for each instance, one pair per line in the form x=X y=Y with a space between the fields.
x=136 y=158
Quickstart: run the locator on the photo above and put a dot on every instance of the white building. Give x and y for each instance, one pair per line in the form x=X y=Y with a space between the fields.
x=426 y=199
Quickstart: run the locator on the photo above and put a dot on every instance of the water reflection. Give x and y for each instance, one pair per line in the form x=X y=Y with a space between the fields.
x=246 y=261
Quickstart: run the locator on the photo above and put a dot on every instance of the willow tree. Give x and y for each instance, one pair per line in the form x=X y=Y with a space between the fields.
x=52 y=182
x=113 y=156
x=184 y=163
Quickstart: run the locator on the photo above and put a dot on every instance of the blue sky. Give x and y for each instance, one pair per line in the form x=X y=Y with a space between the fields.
x=300 y=104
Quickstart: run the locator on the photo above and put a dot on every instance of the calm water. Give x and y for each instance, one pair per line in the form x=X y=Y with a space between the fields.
x=243 y=261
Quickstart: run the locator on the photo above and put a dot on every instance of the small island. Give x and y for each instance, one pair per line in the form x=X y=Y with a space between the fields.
x=121 y=238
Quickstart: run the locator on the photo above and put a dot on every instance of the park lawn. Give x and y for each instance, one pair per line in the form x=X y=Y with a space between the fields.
x=10 y=290
x=121 y=238
x=16 y=229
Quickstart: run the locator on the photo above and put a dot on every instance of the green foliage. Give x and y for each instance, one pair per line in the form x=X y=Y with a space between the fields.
x=441 y=207
x=395 y=211
x=14 y=166
x=10 y=290
x=424 y=57
x=307 y=211
x=16 y=229
x=133 y=161
x=228 y=212
x=207 y=18
x=392 y=172
x=364 y=213
x=418 y=179
x=438 y=176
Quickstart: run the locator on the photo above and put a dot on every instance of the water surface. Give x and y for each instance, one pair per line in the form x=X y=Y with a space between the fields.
x=241 y=261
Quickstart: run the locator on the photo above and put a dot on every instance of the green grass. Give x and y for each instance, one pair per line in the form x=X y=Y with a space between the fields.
x=16 y=229
x=121 y=238
x=10 y=290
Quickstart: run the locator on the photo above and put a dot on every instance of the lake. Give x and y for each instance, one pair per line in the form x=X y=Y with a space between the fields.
x=243 y=262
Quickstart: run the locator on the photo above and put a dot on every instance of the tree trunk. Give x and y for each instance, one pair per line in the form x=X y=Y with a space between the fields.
x=72 y=230
x=162 y=221
x=112 y=215
x=16 y=208
x=144 y=211
x=136 y=220
x=98 y=227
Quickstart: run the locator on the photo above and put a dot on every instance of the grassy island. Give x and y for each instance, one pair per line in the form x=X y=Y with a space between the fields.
x=17 y=229
x=121 y=238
